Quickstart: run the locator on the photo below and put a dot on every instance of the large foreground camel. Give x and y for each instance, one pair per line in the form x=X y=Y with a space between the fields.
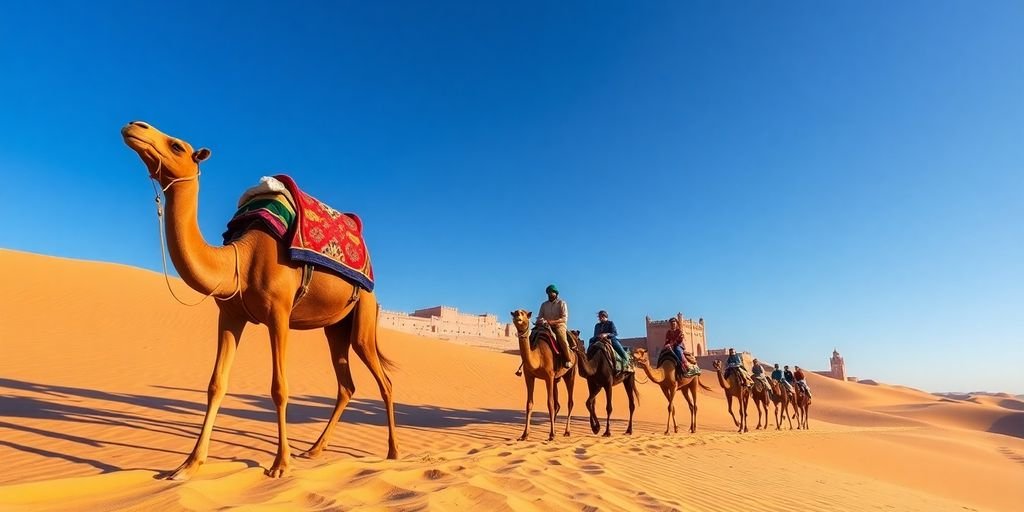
x=254 y=281
x=735 y=388
x=539 y=363
x=599 y=370
x=669 y=381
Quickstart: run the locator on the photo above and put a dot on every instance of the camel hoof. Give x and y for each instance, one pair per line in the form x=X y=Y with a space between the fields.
x=551 y=437
x=567 y=434
x=666 y=432
x=628 y=432
x=311 y=453
x=392 y=453
x=607 y=434
x=519 y=374
x=524 y=437
x=181 y=474
x=277 y=471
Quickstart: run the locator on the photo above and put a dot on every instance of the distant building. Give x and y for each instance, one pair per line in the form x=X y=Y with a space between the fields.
x=837 y=368
x=446 y=322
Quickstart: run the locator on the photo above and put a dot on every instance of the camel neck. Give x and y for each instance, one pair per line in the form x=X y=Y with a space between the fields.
x=204 y=268
x=530 y=357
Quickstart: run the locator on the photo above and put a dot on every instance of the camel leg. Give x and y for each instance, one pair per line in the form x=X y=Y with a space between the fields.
x=668 y=397
x=693 y=409
x=338 y=339
x=629 y=384
x=558 y=406
x=608 y=410
x=728 y=401
x=689 y=404
x=529 y=406
x=550 y=385
x=364 y=343
x=278 y=327
x=570 y=383
x=592 y=390
x=757 y=405
x=744 y=404
x=230 y=332
x=789 y=417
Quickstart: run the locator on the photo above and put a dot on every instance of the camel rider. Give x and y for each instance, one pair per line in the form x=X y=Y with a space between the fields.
x=605 y=329
x=554 y=313
x=675 y=341
x=778 y=377
x=801 y=381
x=788 y=376
x=758 y=372
x=735 y=363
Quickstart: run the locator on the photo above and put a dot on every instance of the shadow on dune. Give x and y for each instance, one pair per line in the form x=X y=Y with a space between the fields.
x=1009 y=425
x=128 y=410
x=1012 y=404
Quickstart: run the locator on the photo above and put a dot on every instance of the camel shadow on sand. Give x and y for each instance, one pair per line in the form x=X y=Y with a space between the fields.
x=134 y=411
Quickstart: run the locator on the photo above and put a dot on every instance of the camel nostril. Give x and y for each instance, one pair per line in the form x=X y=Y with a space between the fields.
x=140 y=124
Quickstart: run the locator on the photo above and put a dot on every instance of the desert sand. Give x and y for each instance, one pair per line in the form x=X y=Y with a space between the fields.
x=102 y=388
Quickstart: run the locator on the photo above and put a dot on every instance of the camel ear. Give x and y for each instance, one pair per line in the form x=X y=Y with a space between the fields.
x=529 y=314
x=201 y=155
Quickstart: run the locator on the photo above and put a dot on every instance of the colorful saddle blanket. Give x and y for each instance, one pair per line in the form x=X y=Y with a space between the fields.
x=315 y=233
x=691 y=369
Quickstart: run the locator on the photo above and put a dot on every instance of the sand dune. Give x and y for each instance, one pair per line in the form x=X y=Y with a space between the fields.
x=102 y=387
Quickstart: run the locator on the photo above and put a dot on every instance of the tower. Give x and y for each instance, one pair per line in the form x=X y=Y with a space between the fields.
x=838 y=366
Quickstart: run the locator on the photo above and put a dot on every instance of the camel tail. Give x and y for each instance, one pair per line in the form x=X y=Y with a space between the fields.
x=701 y=384
x=385 y=361
x=636 y=392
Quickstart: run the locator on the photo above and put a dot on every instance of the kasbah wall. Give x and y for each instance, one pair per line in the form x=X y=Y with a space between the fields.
x=444 y=322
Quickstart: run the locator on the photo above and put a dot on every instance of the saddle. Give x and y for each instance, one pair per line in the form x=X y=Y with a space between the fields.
x=669 y=355
x=544 y=334
x=605 y=347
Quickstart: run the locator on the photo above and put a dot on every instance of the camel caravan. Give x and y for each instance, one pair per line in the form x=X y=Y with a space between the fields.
x=288 y=261
x=550 y=352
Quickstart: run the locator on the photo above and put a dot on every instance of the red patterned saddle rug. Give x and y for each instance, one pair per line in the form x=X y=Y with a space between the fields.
x=328 y=238
x=315 y=233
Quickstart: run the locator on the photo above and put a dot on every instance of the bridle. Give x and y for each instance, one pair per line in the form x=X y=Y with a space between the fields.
x=155 y=179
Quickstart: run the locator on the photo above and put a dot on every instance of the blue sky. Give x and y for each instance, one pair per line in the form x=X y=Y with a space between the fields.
x=803 y=175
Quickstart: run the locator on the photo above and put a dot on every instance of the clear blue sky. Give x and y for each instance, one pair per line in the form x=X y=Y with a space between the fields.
x=803 y=175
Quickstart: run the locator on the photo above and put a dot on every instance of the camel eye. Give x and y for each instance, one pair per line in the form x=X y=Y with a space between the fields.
x=178 y=148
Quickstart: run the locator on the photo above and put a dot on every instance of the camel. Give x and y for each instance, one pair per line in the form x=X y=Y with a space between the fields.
x=803 y=406
x=759 y=392
x=735 y=388
x=539 y=363
x=599 y=371
x=782 y=399
x=253 y=281
x=669 y=383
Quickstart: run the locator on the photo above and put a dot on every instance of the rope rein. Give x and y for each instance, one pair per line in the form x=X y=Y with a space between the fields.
x=163 y=242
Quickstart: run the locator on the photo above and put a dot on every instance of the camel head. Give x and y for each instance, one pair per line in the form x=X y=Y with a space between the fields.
x=521 y=319
x=717 y=365
x=166 y=157
x=640 y=356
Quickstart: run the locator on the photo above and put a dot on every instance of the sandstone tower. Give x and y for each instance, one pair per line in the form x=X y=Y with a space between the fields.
x=838 y=366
